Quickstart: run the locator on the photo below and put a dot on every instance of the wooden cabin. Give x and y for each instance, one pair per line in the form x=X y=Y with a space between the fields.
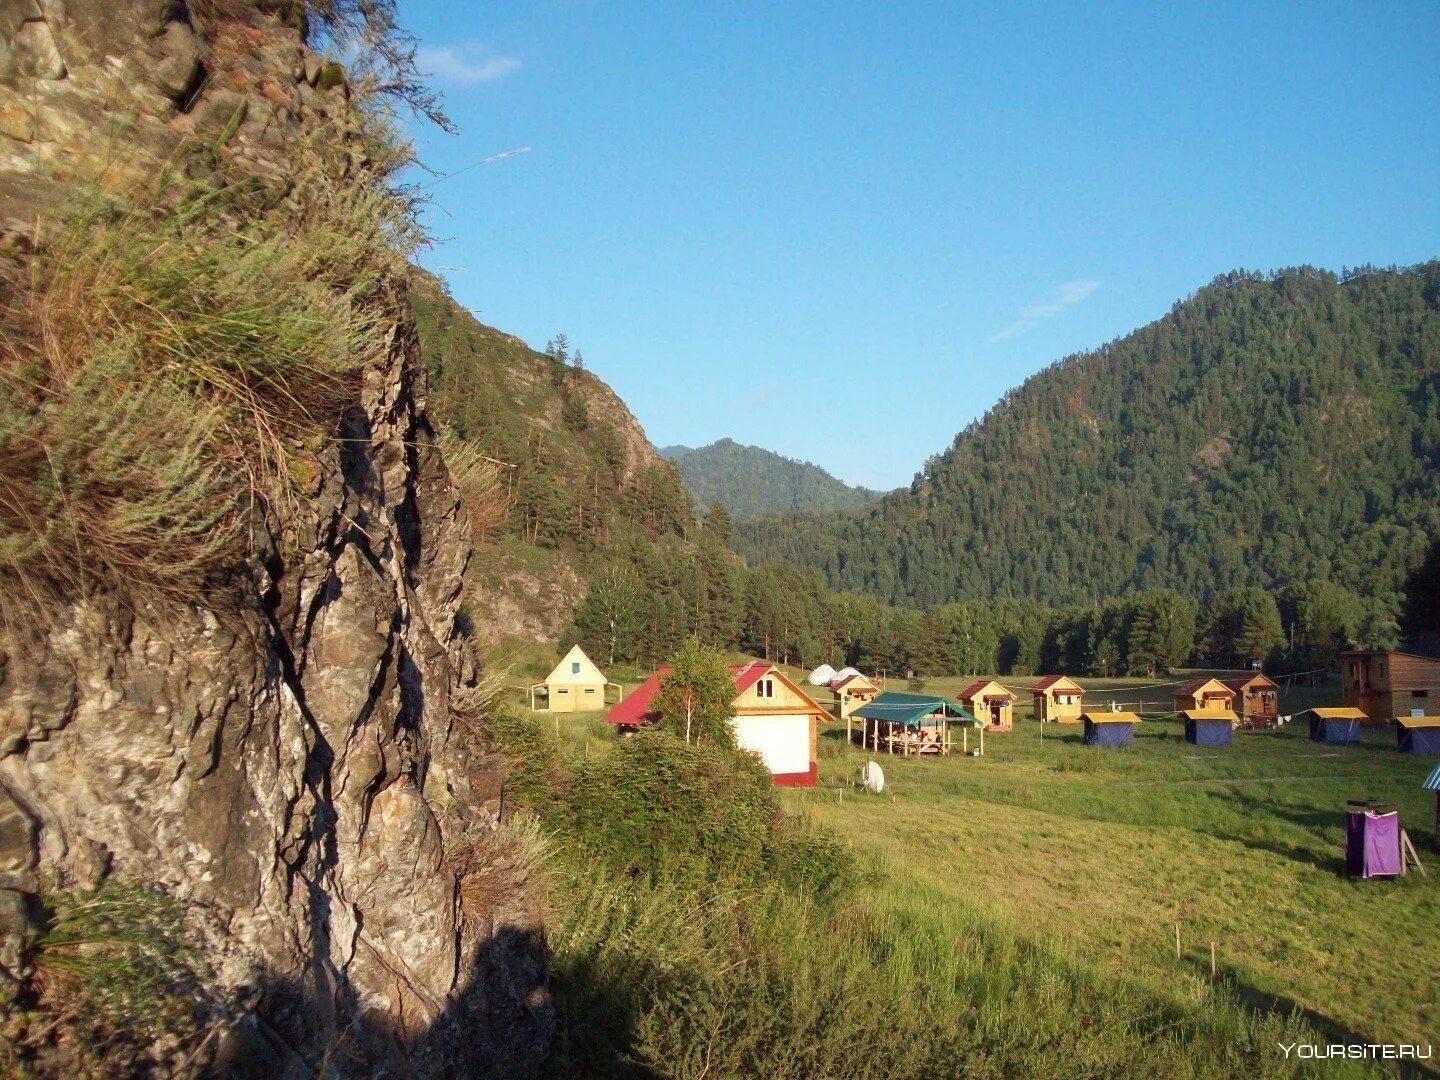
x=852 y=691
x=1205 y=695
x=991 y=703
x=1388 y=684
x=1257 y=698
x=576 y=685
x=1057 y=700
x=915 y=724
x=773 y=718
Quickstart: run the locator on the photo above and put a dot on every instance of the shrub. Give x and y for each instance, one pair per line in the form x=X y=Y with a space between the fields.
x=116 y=979
x=659 y=807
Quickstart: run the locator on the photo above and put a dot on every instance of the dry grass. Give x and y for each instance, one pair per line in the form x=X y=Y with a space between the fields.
x=479 y=482
x=164 y=360
x=500 y=870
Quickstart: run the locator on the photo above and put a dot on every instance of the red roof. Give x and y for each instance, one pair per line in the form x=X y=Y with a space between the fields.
x=635 y=709
x=1238 y=682
x=745 y=676
x=1051 y=680
x=975 y=687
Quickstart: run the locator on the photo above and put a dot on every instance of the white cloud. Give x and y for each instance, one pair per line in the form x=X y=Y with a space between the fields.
x=465 y=64
x=1072 y=292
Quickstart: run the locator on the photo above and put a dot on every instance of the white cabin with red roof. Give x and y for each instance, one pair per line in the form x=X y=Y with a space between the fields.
x=773 y=717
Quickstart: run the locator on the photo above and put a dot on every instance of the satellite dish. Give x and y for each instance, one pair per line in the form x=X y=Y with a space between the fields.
x=873 y=778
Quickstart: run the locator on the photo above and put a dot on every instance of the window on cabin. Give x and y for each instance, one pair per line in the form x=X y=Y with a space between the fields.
x=574 y=667
x=765 y=688
x=1420 y=693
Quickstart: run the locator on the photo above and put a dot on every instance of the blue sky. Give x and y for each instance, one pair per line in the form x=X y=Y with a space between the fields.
x=843 y=231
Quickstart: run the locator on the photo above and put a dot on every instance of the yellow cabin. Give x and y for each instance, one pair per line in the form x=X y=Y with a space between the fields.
x=1257 y=696
x=990 y=703
x=1058 y=700
x=851 y=692
x=1204 y=695
x=576 y=685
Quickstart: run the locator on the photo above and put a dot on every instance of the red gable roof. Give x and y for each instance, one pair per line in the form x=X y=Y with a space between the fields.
x=1051 y=680
x=1239 y=682
x=976 y=687
x=636 y=709
x=745 y=676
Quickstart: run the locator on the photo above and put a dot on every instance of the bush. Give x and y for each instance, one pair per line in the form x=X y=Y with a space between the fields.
x=697 y=813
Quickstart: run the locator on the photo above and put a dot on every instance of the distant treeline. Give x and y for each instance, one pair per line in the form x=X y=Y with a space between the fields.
x=646 y=597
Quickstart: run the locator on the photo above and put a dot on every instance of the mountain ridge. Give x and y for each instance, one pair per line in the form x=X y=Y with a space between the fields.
x=1268 y=429
x=751 y=480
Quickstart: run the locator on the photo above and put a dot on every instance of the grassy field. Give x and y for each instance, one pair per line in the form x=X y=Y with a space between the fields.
x=1091 y=858
x=1101 y=853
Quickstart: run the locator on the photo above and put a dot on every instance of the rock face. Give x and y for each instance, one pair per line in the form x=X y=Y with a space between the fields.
x=290 y=767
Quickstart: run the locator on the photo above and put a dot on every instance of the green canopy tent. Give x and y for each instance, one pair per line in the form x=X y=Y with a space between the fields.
x=914 y=723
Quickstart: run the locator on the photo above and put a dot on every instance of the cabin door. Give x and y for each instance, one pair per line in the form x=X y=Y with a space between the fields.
x=995 y=713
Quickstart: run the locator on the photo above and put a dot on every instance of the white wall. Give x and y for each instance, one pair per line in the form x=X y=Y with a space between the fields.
x=783 y=742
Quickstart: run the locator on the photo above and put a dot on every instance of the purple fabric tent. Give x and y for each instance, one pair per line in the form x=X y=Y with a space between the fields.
x=1372 y=843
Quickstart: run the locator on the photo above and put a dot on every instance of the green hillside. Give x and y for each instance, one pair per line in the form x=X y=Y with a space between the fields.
x=1269 y=430
x=553 y=465
x=751 y=481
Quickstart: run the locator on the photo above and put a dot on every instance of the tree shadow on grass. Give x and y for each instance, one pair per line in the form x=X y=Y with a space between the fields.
x=1315 y=822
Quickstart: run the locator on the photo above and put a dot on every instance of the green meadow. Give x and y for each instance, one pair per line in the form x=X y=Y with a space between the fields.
x=1101 y=854
x=1021 y=909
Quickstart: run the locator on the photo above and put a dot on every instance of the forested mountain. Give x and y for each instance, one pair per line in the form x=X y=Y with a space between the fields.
x=552 y=464
x=570 y=456
x=751 y=481
x=1270 y=430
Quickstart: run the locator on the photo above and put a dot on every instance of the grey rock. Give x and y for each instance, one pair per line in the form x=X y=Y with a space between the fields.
x=284 y=766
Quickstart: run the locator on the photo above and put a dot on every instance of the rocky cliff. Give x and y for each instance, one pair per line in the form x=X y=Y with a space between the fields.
x=286 y=758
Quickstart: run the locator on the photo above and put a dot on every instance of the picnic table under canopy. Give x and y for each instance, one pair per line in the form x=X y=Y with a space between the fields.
x=914 y=723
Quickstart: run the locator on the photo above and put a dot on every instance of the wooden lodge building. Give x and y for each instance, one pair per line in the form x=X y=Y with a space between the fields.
x=575 y=685
x=852 y=691
x=1204 y=695
x=1257 y=698
x=990 y=703
x=1058 y=700
x=1384 y=685
x=773 y=718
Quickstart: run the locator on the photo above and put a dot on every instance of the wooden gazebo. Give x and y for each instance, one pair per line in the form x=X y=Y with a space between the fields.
x=915 y=724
